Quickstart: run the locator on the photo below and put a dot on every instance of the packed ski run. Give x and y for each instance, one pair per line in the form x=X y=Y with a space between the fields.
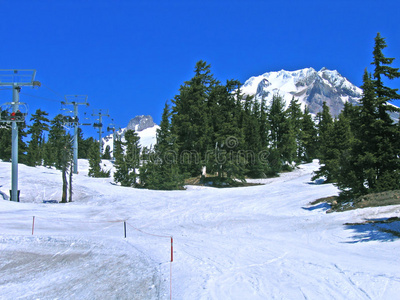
x=259 y=242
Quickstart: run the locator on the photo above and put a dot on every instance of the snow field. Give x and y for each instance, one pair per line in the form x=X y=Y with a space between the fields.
x=259 y=242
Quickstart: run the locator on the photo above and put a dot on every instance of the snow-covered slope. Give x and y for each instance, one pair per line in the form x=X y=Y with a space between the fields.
x=310 y=87
x=260 y=242
x=144 y=127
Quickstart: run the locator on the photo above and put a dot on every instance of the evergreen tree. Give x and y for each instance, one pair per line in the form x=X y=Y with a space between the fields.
x=160 y=170
x=324 y=126
x=84 y=145
x=294 y=115
x=308 y=140
x=95 y=169
x=35 y=152
x=256 y=168
x=371 y=161
x=107 y=153
x=387 y=146
x=190 y=119
x=336 y=158
x=127 y=163
x=5 y=141
x=283 y=144
x=57 y=140
x=226 y=152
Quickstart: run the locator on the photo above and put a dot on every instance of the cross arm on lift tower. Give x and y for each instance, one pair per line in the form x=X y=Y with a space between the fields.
x=75 y=100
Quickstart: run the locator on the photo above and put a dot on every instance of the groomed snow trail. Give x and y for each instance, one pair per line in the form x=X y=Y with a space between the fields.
x=260 y=242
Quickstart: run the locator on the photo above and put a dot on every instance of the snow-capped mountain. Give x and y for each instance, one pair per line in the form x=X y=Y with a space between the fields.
x=144 y=127
x=310 y=87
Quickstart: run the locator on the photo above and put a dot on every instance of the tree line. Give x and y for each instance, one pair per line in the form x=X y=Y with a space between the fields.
x=360 y=149
x=47 y=144
x=214 y=127
x=214 y=131
x=234 y=136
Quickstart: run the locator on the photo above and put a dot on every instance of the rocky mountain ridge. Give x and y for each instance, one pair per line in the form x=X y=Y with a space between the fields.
x=309 y=86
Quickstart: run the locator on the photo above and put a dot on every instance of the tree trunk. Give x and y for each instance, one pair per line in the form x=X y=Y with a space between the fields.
x=70 y=181
x=65 y=185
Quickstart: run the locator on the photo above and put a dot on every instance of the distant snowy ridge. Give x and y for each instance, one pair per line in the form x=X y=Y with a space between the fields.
x=144 y=127
x=310 y=87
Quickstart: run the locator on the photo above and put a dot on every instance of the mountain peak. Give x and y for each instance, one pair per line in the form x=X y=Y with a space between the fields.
x=310 y=87
x=140 y=123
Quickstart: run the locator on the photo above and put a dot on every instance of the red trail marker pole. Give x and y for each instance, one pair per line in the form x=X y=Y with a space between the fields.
x=172 y=249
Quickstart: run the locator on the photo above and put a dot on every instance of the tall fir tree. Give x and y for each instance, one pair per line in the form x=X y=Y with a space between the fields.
x=35 y=150
x=56 y=141
x=190 y=119
x=95 y=169
x=127 y=160
x=324 y=125
x=308 y=140
x=294 y=115
x=160 y=170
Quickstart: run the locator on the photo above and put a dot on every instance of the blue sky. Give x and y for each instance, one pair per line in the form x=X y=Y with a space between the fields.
x=130 y=56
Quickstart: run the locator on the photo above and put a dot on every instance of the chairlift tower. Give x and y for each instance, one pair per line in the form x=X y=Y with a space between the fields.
x=99 y=125
x=16 y=79
x=75 y=100
x=111 y=128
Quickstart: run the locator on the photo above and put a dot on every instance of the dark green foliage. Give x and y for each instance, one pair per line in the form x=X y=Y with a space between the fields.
x=294 y=115
x=127 y=163
x=365 y=159
x=107 y=153
x=5 y=141
x=308 y=139
x=190 y=118
x=35 y=153
x=95 y=169
x=225 y=155
x=84 y=146
x=57 y=140
x=234 y=135
x=282 y=137
x=324 y=126
x=160 y=169
x=336 y=152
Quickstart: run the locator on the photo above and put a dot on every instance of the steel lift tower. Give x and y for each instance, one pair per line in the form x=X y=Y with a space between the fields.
x=75 y=100
x=16 y=79
x=99 y=125
x=111 y=128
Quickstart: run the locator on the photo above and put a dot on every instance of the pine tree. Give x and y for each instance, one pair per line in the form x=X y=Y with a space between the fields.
x=160 y=170
x=294 y=115
x=308 y=140
x=337 y=147
x=371 y=163
x=190 y=119
x=35 y=152
x=5 y=141
x=387 y=148
x=107 y=153
x=255 y=167
x=127 y=163
x=225 y=156
x=324 y=126
x=283 y=147
x=95 y=169
x=56 y=142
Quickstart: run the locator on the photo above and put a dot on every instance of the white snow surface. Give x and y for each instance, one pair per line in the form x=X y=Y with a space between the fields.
x=148 y=138
x=259 y=242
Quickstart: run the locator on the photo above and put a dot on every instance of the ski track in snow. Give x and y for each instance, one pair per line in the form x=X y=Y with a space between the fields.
x=259 y=242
